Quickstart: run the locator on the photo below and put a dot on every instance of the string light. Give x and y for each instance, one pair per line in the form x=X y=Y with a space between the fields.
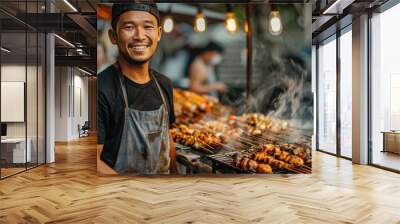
x=275 y=22
x=168 y=24
x=200 y=23
x=231 y=22
x=5 y=49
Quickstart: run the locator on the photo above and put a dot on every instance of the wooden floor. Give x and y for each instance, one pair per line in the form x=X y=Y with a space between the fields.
x=69 y=191
x=387 y=159
x=10 y=171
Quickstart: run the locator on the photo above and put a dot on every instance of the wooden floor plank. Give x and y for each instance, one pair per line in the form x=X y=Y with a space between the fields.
x=69 y=191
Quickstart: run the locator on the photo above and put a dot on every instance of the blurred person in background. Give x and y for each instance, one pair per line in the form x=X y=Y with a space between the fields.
x=201 y=72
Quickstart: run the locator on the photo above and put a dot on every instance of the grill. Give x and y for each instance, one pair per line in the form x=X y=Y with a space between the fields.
x=213 y=133
x=224 y=163
x=222 y=160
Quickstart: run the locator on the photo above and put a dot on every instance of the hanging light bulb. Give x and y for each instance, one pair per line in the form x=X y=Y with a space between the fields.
x=275 y=22
x=168 y=24
x=231 y=23
x=200 y=23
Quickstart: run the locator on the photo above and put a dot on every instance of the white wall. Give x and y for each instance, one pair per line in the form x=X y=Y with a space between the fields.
x=71 y=93
x=61 y=103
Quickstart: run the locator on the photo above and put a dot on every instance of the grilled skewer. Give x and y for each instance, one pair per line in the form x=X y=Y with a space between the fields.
x=247 y=164
x=282 y=155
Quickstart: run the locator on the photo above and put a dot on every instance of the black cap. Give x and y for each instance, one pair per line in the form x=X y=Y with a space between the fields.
x=120 y=8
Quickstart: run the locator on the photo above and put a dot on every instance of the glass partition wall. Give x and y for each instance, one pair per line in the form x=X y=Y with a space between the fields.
x=334 y=94
x=327 y=96
x=22 y=79
x=385 y=90
x=345 y=61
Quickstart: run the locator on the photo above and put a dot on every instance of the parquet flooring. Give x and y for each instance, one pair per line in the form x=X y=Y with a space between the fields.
x=70 y=191
x=9 y=171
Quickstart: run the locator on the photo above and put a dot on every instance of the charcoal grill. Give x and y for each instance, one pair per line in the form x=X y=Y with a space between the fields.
x=224 y=162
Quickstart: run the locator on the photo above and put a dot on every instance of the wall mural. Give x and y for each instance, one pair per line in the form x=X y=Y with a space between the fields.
x=204 y=88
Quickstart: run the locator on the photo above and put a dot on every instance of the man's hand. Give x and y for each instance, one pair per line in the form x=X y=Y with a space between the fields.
x=102 y=167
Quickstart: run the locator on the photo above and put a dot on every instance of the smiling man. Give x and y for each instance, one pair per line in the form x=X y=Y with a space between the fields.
x=135 y=106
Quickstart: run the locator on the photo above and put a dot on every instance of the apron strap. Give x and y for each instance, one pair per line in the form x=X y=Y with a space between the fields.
x=123 y=84
x=161 y=92
x=165 y=115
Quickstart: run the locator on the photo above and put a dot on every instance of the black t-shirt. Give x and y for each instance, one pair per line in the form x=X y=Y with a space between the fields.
x=110 y=106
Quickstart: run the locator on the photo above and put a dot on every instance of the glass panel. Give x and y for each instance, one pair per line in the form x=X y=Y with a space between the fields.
x=327 y=97
x=14 y=153
x=385 y=89
x=31 y=98
x=346 y=94
x=314 y=90
x=21 y=64
x=41 y=57
x=41 y=99
x=31 y=101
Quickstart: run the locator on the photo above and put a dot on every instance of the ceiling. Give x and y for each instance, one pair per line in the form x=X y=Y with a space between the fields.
x=330 y=15
x=79 y=28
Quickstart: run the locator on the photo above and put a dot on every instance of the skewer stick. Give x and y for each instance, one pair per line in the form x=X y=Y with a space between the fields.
x=240 y=144
x=306 y=168
x=293 y=170
x=248 y=141
x=205 y=144
x=205 y=149
x=303 y=171
x=256 y=137
x=227 y=146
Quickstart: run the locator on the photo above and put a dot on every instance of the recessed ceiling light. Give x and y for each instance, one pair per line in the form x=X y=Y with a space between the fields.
x=84 y=71
x=70 y=5
x=64 y=40
x=328 y=10
x=5 y=50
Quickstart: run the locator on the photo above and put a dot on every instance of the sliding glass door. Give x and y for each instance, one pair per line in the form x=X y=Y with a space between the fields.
x=346 y=93
x=22 y=89
x=327 y=96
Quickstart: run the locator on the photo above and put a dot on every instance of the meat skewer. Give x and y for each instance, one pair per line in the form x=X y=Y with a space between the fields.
x=247 y=164
x=282 y=155
x=263 y=157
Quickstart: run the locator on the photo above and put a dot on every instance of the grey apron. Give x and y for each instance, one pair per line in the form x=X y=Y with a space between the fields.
x=144 y=147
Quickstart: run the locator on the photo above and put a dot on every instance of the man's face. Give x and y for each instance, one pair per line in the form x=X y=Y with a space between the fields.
x=137 y=35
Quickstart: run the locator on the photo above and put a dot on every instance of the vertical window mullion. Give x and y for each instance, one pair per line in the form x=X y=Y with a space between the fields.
x=316 y=97
x=338 y=74
x=26 y=86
